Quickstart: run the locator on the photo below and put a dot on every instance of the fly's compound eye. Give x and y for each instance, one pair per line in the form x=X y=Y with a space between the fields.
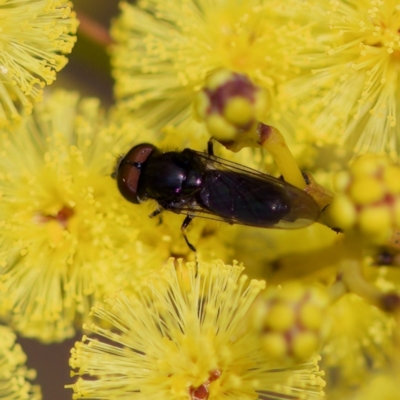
x=129 y=169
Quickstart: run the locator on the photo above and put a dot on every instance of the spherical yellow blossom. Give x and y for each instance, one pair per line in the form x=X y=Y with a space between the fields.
x=349 y=87
x=368 y=197
x=14 y=376
x=290 y=321
x=230 y=104
x=182 y=336
x=67 y=236
x=360 y=340
x=34 y=35
x=166 y=49
x=384 y=386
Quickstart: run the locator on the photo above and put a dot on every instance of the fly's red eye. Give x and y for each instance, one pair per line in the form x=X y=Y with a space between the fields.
x=128 y=171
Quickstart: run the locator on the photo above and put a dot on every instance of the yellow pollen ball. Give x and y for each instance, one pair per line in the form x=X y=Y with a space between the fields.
x=368 y=164
x=391 y=177
x=280 y=317
x=200 y=105
x=343 y=212
x=304 y=345
x=311 y=316
x=220 y=128
x=274 y=345
x=218 y=79
x=262 y=104
x=383 y=387
x=318 y=296
x=341 y=181
x=366 y=190
x=238 y=111
x=375 y=220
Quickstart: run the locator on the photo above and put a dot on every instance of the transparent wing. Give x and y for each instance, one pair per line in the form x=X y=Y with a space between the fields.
x=240 y=195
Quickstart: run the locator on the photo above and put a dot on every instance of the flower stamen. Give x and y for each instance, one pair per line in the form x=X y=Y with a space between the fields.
x=202 y=391
x=62 y=217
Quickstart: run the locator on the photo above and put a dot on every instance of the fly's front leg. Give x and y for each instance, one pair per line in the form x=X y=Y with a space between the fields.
x=210 y=147
x=185 y=224
x=156 y=212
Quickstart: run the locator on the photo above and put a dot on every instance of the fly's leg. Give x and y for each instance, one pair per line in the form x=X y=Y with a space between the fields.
x=196 y=273
x=156 y=212
x=185 y=224
x=210 y=147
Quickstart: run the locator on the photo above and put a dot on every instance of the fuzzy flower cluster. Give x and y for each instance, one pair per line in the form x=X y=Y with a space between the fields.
x=290 y=321
x=230 y=104
x=66 y=234
x=35 y=36
x=181 y=336
x=296 y=88
x=360 y=341
x=15 y=378
x=158 y=74
x=348 y=88
x=368 y=197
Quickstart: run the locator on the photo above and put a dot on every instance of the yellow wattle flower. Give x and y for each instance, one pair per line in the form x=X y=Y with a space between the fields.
x=289 y=321
x=165 y=50
x=360 y=341
x=368 y=197
x=35 y=36
x=14 y=376
x=67 y=236
x=384 y=386
x=181 y=336
x=230 y=105
x=348 y=91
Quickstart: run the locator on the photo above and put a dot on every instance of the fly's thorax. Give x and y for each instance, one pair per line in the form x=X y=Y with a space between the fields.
x=170 y=177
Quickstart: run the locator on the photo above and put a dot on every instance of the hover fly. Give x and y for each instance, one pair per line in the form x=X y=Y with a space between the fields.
x=202 y=185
